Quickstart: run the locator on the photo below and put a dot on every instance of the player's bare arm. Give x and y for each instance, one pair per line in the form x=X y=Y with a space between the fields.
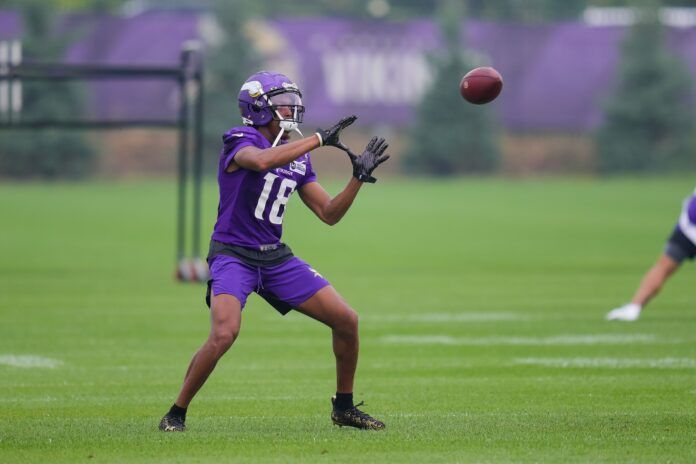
x=331 y=210
x=258 y=159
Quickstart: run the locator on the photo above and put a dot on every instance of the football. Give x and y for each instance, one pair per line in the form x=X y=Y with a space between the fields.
x=481 y=85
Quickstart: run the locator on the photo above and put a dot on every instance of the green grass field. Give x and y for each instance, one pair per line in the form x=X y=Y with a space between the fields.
x=482 y=331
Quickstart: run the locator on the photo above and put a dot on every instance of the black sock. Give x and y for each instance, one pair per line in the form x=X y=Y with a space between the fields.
x=344 y=401
x=177 y=411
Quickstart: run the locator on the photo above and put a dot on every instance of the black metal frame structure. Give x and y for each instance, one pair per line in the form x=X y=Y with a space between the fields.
x=188 y=122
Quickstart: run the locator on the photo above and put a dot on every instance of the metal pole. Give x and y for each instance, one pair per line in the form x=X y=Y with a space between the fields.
x=15 y=85
x=183 y=152
x=198 y=165
x=4 y=82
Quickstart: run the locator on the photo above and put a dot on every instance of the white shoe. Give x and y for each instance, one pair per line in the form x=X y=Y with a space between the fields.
x=627 y=312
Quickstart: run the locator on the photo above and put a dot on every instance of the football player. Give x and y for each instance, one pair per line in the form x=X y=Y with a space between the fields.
x=680 y=246
x=259 y=169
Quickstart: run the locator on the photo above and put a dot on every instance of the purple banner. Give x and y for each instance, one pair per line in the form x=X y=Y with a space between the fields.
x=557 y=76
x=149 y=39
x=375 y=70
x=10 y=25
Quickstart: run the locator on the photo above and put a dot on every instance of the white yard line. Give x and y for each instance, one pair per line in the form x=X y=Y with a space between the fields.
x=29 y=361
x=446 y=317
x=614 y=363
x=596 y=339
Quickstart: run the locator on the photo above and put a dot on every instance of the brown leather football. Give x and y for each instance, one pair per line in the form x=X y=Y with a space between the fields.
x=481 y=85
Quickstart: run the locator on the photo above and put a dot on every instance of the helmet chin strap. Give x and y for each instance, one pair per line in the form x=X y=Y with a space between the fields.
x=285 y=126
x=277 y=139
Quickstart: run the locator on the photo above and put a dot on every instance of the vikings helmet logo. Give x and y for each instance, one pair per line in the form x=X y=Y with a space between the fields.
x=254 y=88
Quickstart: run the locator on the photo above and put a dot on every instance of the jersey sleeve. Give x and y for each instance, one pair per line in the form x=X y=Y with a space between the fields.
x=235 y=140
x=310 y=175
x=691 y=209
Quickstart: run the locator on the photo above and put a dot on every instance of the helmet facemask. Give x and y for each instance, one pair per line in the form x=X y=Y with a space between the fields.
x=290 y=99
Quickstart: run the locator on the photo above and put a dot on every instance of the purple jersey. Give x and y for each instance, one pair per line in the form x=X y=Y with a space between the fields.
x=691 y=209
x=252 y=204
x=687 y=219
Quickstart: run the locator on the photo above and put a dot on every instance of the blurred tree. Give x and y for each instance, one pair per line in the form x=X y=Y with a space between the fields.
x=92 y=5
x=526 y=10
x=451 y=136
x=46 y=153
x=494 y=10
x=513 y=10
x=631 y=3
x=229 y=61
x=649 y=118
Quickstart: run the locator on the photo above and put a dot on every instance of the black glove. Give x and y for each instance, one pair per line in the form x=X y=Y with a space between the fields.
x=329 y=137
x=372 y=157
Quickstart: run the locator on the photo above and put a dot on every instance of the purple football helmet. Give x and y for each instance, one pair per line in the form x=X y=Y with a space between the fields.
x=263 y=93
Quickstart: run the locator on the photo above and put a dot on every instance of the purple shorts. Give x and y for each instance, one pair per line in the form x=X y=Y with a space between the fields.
x=285 y=286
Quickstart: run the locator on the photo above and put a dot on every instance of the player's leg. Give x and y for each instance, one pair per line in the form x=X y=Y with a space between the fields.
x=679 y=248
x=294 y=284
x=299 y=286
x=654 y=279
x=231 y=283
x=329 y=307
x=650 y=285
x=225 y=322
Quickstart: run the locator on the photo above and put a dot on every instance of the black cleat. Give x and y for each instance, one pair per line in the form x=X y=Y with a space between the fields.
x=172 y=423
x=354 y=417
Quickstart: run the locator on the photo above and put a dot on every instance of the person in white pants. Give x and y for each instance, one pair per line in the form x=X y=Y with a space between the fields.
x=680 y=246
